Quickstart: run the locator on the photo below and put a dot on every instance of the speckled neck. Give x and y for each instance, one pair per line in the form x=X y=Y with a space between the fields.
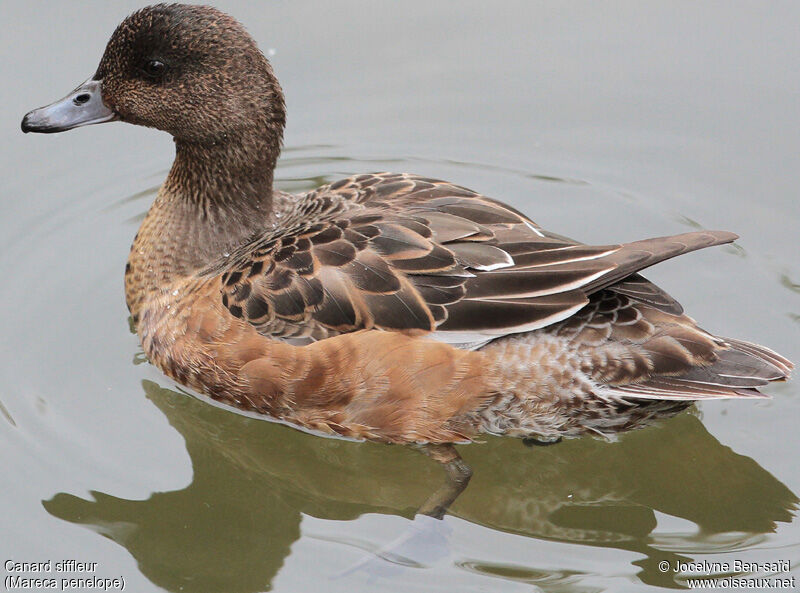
x=217 y=196
x=233 y=173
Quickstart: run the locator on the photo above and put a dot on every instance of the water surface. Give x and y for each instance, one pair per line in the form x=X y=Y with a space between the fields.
x=604 y=123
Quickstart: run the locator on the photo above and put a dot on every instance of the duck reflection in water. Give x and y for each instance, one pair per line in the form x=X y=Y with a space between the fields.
x=232 y=528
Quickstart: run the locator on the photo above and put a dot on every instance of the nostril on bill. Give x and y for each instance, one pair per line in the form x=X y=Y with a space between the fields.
x=82 y=98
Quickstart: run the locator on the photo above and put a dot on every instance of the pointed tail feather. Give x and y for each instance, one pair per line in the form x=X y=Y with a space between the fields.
x=757 y=351
x=677 y=389
x=737 y=373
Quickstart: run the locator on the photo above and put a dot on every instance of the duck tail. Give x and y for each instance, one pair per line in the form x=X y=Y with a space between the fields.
x=740 y=369
x=782 y=366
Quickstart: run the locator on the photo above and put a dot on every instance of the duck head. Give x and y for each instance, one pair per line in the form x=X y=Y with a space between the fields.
x=192 y=71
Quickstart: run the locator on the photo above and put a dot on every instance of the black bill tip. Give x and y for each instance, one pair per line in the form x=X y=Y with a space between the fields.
x=26 y=124
x=32 y=123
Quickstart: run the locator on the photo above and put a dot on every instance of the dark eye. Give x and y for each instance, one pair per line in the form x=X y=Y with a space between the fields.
x=155 y=68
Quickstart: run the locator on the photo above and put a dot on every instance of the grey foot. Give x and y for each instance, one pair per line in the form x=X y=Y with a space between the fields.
x=457 y=475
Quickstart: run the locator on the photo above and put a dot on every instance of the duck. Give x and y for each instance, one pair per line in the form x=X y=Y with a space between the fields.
x=385 y=306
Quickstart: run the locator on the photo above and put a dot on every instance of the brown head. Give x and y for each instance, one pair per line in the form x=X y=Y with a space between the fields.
x=192 y=71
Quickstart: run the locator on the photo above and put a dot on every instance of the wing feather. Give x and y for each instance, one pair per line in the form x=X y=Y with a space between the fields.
x=405 y=253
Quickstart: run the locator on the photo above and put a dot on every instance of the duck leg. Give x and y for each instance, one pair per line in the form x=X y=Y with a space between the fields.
x=457 y=476
x=426 y=539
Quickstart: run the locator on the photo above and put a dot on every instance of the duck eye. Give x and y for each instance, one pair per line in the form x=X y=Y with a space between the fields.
x=155 y=68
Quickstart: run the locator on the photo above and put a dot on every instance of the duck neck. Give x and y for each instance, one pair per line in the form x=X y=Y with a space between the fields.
x=222 y=191
x=233 y=174
x=217 y=196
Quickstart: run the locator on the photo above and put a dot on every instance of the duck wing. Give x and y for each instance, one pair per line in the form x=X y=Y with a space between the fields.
x=417 y=255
